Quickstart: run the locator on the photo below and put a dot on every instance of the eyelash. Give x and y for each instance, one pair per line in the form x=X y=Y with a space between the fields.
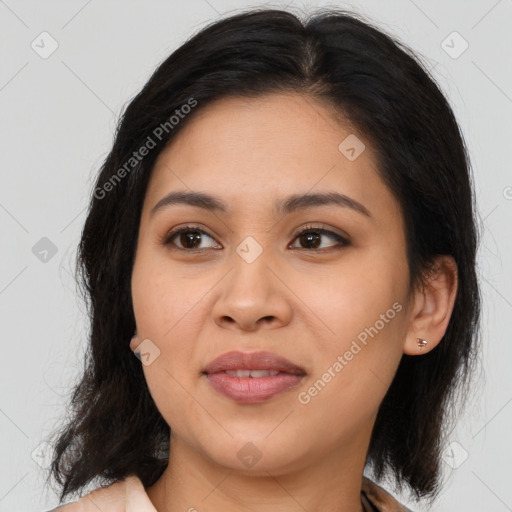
x=308 y=229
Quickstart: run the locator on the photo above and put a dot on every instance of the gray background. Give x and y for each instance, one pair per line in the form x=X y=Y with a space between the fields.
x=58 y=116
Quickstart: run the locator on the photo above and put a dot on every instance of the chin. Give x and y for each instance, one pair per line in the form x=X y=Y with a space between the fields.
x=256 y=455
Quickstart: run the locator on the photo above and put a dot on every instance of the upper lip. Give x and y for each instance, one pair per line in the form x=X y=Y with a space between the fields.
x=236 y=360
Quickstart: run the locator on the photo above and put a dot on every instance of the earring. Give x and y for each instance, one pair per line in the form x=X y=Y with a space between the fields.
x=421 y=342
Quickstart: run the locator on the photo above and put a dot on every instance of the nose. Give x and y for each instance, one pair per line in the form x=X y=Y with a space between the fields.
x=253 y=296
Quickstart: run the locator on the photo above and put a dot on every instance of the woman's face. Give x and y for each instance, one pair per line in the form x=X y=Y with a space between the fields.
x=248 y=283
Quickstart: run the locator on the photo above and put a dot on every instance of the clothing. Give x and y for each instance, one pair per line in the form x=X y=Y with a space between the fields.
x=128 y=495
x=379 y=498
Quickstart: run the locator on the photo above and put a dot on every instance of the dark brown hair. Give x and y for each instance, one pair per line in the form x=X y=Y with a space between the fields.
x=380 y=87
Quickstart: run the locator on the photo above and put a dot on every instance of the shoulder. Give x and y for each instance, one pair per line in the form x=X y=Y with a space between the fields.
x=114 y=498
x=381 y=499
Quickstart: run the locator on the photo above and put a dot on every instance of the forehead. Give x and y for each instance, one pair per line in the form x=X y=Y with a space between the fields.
x=256 y=150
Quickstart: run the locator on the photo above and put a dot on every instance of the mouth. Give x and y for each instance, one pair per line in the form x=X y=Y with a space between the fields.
x=252 y=377
x=252 y=362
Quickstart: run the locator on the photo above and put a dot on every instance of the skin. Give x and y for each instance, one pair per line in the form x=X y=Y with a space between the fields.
x=300 y=302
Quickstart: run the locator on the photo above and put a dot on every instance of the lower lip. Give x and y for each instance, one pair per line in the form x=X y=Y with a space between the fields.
x=251 y=390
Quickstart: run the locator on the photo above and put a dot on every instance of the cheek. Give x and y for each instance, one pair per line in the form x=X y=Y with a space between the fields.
x=162 y=298
x=169 y=312
x=353 y=371
x=353 y=296
x=365 y=322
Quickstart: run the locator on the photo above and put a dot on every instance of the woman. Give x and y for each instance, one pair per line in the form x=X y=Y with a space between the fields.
x=280 y=259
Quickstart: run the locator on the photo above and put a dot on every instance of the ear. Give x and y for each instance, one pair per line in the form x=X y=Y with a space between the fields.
x=433 y=306
x=134 y=342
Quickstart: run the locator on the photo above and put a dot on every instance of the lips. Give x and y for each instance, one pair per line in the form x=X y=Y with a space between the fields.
x=236 y=360
x=254 y=377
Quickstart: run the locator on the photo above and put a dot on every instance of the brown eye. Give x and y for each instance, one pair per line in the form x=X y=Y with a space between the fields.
x=189 y=237
x=311 y=238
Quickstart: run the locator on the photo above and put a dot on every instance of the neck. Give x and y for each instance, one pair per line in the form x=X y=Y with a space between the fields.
x=325 y=482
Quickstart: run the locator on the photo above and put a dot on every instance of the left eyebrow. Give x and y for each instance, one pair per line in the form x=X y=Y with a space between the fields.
x=302 y=201
x=288 y=205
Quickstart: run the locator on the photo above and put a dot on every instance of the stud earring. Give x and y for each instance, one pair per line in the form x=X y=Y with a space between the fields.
x=421 y=342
